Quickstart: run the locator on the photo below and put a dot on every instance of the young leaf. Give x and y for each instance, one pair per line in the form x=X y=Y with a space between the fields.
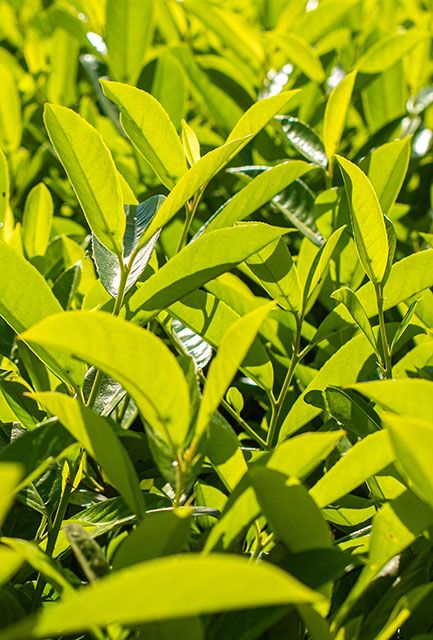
x=319 y=267
x=128 y=27
x=92 y=173
x=10 y=475
x=210 y=255
x=150 y=129
x=259 y=115
x=134 y=357
x=387 y=51
x=336 y=114
x=96 y=435
x=386 y=168
x=11 y=127
x=37 y=219
x=367 y=221
x=190 y=143
x=232 y=350
x=194 y=585
x=302 y=55
x=136 y=255
x=4 y=186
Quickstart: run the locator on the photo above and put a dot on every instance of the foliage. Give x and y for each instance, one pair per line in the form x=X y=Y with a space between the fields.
x=216 y=318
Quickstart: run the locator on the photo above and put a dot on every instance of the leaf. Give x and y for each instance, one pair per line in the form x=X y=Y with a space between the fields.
x=350 y=300
x=408 y=396
x=95 y=434
x=128 y=28
x=407 y=277
x=150 y=129
x=257 y=192
x=10 y=562
x=37 y=219
x=387 y=51
x=92 y=173
x=87 y=552
x=4 y=186
x=274 y=270
x=136 y=255
x=11 y=127
x=210 y=255
x=193 y=584
x=258 y=116
x=412 y=439
x=336 y=113
x=387 y=167
x=305 y=140
x=25 y=299
x=320 y=267
x=232 y=350
x=66 y=286
x=10 y=475
x=194 y=180
x=133 y=356
x=158 y=535
x=170 y=89
x=190 y=143
x=292 y=514
x=302 y=55
x=367 y=221
x=364 y=460
x=192 y=344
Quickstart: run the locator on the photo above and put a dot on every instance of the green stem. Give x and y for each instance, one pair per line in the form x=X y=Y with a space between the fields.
x=191 y=208
x=387 y=363
x=276 y=415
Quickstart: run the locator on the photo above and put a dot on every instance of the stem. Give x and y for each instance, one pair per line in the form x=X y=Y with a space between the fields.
x=387 y=363
x=294 y=360
x=191 y=208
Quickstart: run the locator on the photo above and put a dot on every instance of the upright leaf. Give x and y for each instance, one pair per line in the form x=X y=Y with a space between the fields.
x=367 y=220
x=92 y=173
x=10 y=475
x=336 y=114
x=150 y=129
x=128 y=27
x=37 y=219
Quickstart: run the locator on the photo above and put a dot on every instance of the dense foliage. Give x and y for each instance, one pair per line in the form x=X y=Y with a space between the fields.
x=216 y=387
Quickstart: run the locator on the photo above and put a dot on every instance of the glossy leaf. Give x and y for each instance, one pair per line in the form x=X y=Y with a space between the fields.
x=92 y=173
x=336 y=114
x=367 y=221
x=305 y=140
x=150 y=129
x=130 y=357
x=37 y=219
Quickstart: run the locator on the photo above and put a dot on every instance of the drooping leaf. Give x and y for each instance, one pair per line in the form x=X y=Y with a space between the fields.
x=95 y=434
x=134 y=357
x=194 y=585
x=92 y=173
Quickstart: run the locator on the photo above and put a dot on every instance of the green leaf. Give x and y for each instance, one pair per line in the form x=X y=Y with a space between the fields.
x=386 y=168
x=150 y=129
x=158 y=535
x=259 y=115
x=350 y=300
x=257 y=192
x=194 y=180
x=92 y=173
x=10 y=475
x=291 y=512
x=37 y=219
x=170 y=89
x=305 y=140
x=26 y=298
x=336 y=113
x=11 y=127
x=192 y=344
x=206 y=258
x=387 y=51
x=128 y=28
x=412 y=440
x=136 y=255
x=87 y=551
x=367 y=221
x=364 y=460
x=134 y=357
x=10 y=562
x=96 y=435
x=193 y=584
x=232 y=350
x=65 y=287
x=302 y=55
x=319 y=268
x=4 y=186
x=190 y=143
x=274 y=270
